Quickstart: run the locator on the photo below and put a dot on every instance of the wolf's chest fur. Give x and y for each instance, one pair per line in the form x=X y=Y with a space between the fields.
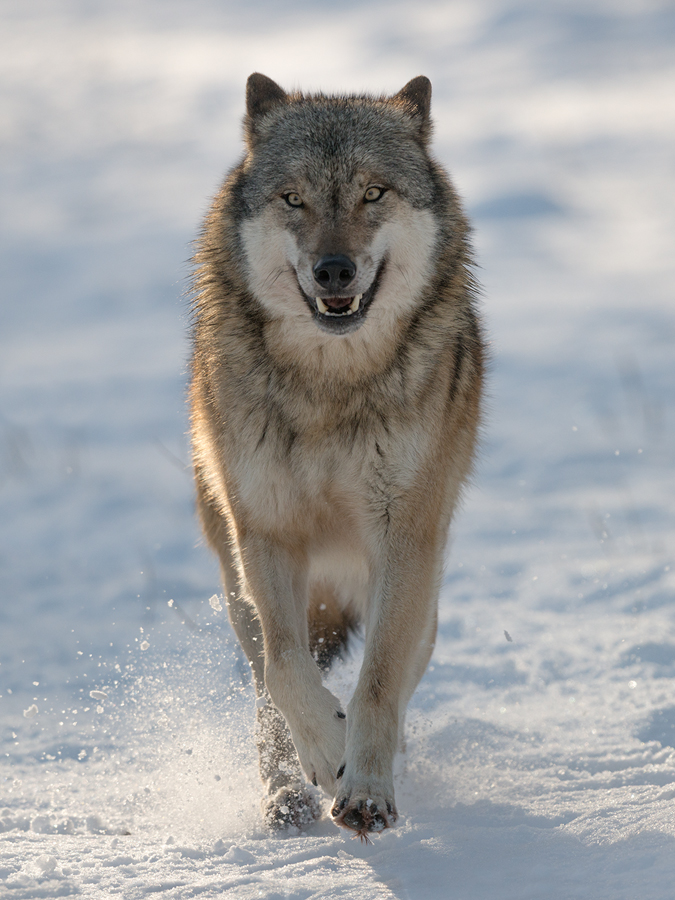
x=329 y=471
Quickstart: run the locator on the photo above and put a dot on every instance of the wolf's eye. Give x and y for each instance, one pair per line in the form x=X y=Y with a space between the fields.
x=372 y=194
x=293 y=199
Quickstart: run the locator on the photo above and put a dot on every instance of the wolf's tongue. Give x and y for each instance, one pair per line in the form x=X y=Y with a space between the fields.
x=337 y=302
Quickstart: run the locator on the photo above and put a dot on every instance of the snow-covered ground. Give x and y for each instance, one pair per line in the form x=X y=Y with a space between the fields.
x=541 y=742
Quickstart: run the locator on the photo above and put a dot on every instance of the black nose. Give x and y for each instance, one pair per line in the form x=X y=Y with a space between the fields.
x=334 y=272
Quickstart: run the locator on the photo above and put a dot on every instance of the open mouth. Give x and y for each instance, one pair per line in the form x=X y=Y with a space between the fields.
x=341 y=314
x=338 y=306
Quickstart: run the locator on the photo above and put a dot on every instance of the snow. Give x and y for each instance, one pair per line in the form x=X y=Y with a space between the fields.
x=540 y=755
x=98 y=695
x=215 y=604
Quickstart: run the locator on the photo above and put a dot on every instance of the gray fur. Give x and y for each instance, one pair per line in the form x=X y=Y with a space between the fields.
x=333 y=432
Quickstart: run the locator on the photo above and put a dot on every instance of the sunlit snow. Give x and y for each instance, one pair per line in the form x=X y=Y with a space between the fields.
x=540 y=757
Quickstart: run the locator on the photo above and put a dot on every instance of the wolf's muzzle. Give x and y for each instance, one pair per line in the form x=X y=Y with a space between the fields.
x=338 y=315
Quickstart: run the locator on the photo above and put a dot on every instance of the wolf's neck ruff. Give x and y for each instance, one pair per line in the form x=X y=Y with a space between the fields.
x=335 y=392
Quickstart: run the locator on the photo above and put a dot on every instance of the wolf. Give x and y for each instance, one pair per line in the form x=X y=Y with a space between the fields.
x=335 y=395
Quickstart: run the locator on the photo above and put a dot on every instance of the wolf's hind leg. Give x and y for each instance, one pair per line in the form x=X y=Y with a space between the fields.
x=330 y=626
x=289 y=800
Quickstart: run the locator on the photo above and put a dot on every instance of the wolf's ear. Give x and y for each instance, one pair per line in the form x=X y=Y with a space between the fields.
x=416 y=98
x=262 y=95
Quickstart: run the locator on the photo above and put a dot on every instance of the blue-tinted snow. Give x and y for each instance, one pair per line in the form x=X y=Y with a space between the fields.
x=538 y=767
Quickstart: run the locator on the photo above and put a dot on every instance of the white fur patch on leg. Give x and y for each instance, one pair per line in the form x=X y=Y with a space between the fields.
x=313 y=714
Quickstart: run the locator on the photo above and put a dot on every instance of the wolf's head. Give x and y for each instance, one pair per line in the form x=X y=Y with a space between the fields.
x=341 y=209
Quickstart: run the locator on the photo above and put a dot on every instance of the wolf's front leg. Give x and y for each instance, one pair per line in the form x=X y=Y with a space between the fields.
x=313 y=714
x=277 y=583
x=400 y=635
x=287 y=801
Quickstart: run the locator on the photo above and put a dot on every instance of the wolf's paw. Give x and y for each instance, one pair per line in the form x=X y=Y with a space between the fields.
x=320 y=760
x=364 y=811
x=320 y=744
x=290 y=807
x=314 y=716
